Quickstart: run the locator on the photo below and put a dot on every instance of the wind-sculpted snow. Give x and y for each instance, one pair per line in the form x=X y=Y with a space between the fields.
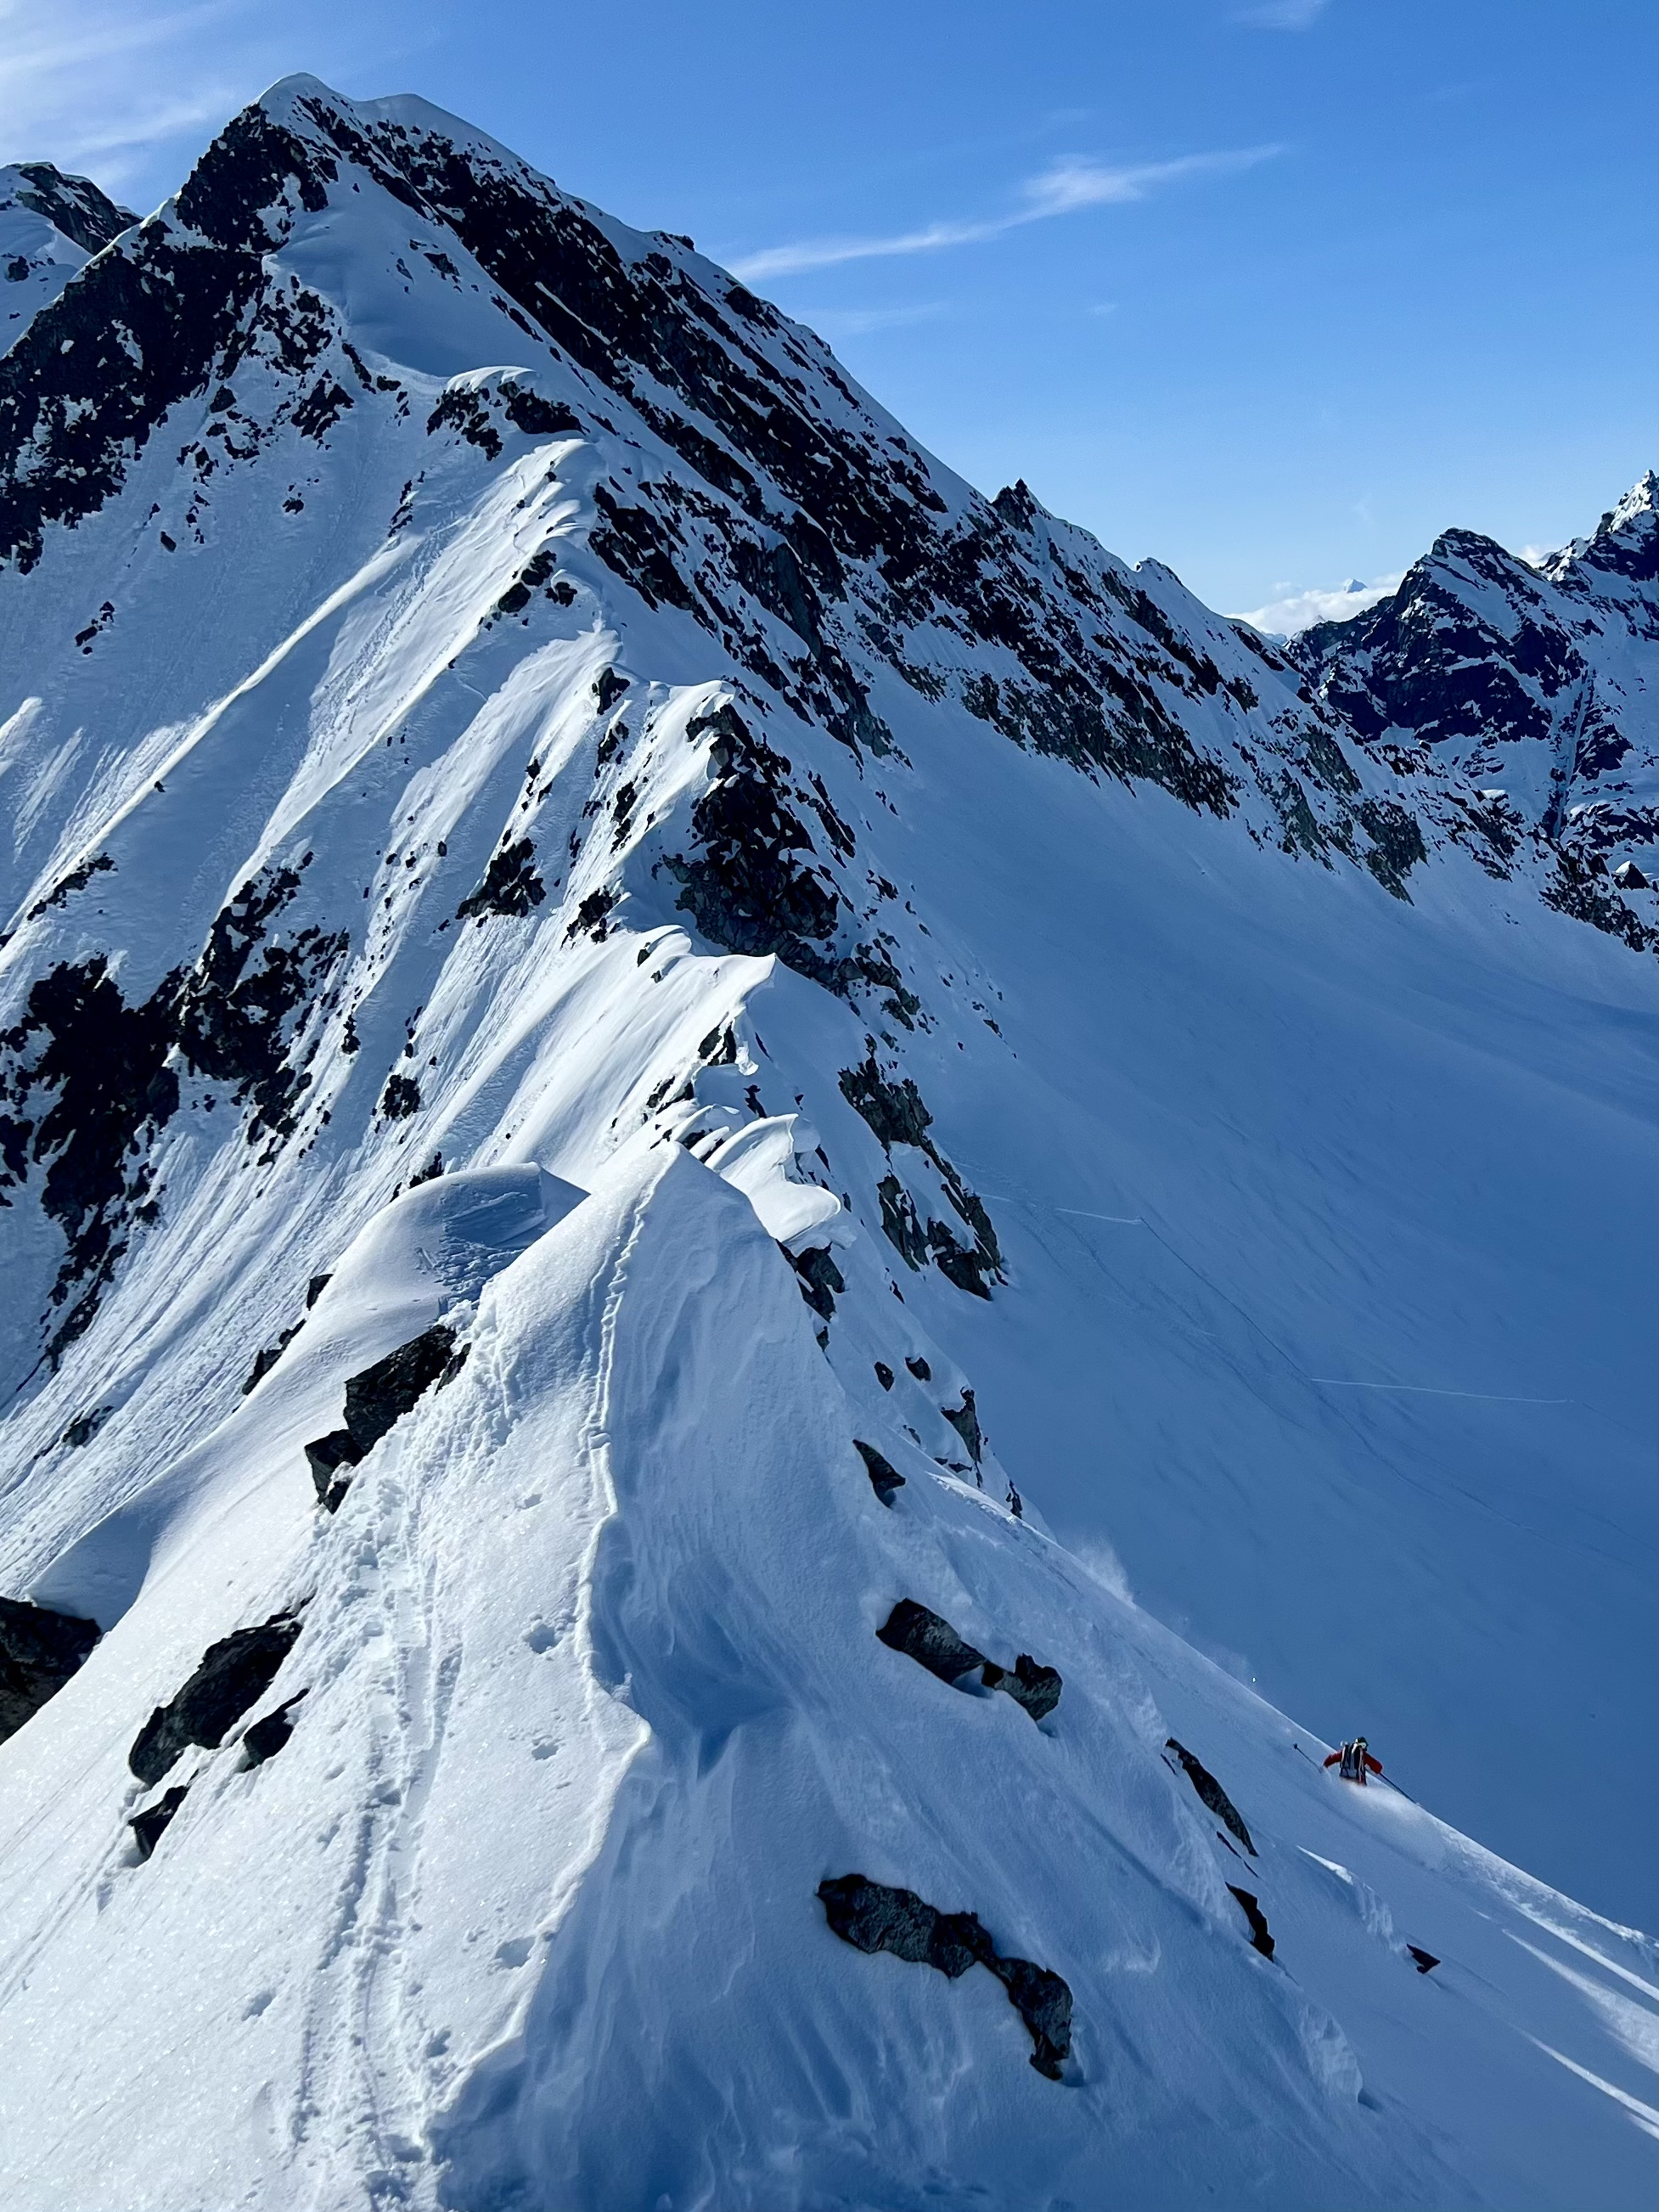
x=635 y=1029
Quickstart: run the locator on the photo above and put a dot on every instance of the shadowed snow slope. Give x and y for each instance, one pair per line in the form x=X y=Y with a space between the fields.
x=601 y=958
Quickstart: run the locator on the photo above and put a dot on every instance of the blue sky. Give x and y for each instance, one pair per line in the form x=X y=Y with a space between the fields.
x=1273 y=290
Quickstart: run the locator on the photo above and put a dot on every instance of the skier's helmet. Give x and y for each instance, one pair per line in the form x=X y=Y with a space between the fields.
x=1360 y=1743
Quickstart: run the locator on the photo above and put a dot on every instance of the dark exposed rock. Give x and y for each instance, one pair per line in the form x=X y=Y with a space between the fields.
x=594 y=913
x=929 y=1640
x=1259 y=1939
x=1574 y=890
x=233 y=1674
x=315 y=1288
x=383 y=1394
x=920 y=1368
x=147 y=1826
x=897 y=1115
x=72 y=204
x=401 y=1097
x=1211 y=1793
x=375 y=1399
x=321 y=408
x=39 y=1649
x=529 y=578
x=511 y=885
x=820 y=1278
x=1425 y=1961
x=234 y=1010
x=1629 y=877
x=140 y=329
x=884 y=1375
x=327 y=1457
x=965 y=1421
x=84 y=1427
x=742 y=885
x=467 y=412
x=266 y=1737
x=900 y=1222
x=933 y=1642
x=537 y=417
x=884 y=1476
x=266 y=1360
x=873 y=1917
x=641 y=550
x=76 y=880
x=1397 y=845
x=107 y=1063
x=1037 y=1688
x=894 y=1111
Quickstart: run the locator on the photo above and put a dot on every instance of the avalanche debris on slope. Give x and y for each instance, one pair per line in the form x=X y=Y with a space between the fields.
x=491 y=697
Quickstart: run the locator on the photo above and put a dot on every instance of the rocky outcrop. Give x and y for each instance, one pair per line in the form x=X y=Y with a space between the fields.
x=1259 y=1939
x=1034 y=1687
x=88 y=1081
x=966 y=1252
x=39 y=1649
x=1211 y=1793
x=931 y=1641
x=264 y=1738
x=511 y=885
x=234 y=1673
x=821 y=1281
x=377 y=1399
x=872 y=1917
x=148 y=1827
x=884 y=1478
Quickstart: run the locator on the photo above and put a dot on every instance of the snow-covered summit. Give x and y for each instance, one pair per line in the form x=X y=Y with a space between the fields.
x=1537 y=684
x=667 y=1086
x=50 y=225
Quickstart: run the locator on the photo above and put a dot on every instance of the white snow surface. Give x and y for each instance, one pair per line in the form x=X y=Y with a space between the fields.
x=1316 y=1351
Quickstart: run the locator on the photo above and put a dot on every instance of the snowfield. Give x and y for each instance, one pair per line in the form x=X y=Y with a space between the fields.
x=635 y=1029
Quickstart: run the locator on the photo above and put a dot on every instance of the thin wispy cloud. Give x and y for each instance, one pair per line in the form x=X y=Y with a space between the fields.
x=131 y=90
x=859 y=322
x=1066 y=187
x=97 y=83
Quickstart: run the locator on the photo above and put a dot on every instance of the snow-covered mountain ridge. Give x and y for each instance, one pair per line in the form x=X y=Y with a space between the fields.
x=500 y=727
x=50 y=226
x=1539 y=685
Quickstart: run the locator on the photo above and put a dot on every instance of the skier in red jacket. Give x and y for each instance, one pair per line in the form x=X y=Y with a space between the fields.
x=1355 y=1759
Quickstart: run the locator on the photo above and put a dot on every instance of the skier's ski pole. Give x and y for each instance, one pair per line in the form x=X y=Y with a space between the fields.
x=1406 y=1794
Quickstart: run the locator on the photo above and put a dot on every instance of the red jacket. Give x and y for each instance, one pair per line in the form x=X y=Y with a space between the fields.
x=1354 y=1762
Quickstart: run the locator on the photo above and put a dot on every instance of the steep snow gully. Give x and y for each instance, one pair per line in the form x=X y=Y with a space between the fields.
x=746 y=1205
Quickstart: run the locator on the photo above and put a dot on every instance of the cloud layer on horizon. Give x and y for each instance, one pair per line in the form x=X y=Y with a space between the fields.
x=1300 y=610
